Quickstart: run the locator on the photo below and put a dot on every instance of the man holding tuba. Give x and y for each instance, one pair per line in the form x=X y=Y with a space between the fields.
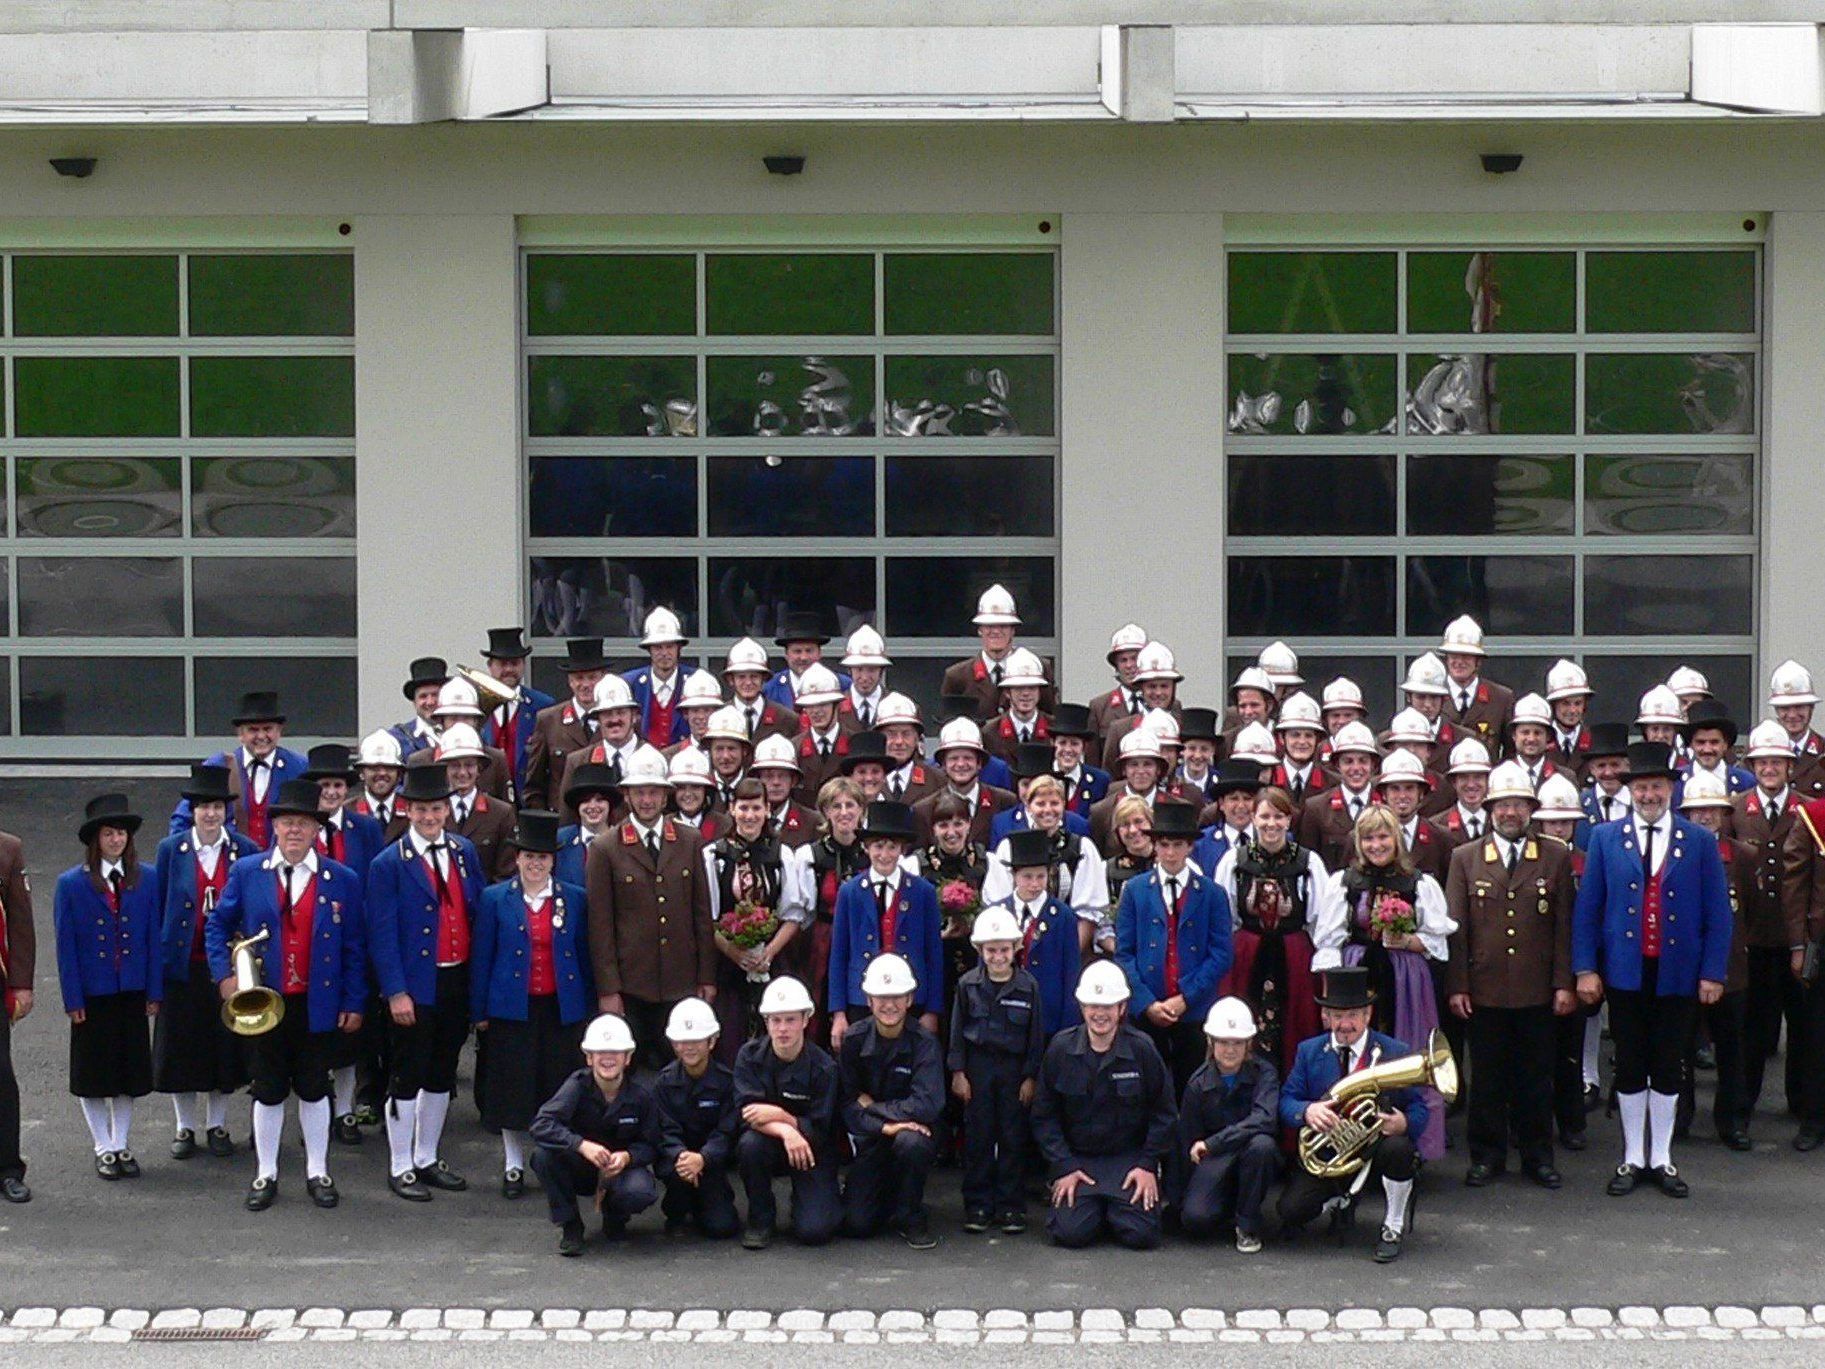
x=1316 y=1098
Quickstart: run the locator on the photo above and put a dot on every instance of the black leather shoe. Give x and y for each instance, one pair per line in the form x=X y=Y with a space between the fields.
x=513 y=1184
x=570 y=1239
x=220 y=1143
x=1545 y=1176
x=614 y=1228
x=1593 y=1097
x=977 y=1220
x=1387 y=1247
x=129 y=1167
x=107 y=1164
x=260 y=1194
x=1574 y=1140
x=917 y=1233
x=1738 y=1140
x=1013 y=1223
x=1480 y=1175
x=442 y=1176
x=1624 y=1181
x=322 y=1191
x=183 y=1145
x=408 y=1187
x=13 y=1189
x=1670 y=1182
x=756 y=1237
x=345 y=1132
x=1808 y=1139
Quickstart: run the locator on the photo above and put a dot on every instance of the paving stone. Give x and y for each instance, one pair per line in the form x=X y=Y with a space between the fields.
x=30 y=1318
x=1240 y=1336
x=132 y=1318
x=1497 y=1319
x=908 y=1337
x=862 y=1337
x=56 y=1335
x=1734 y=1317
x=322 y=1317
x=420 y=1318
x=802 y=1319
x=1592 y=1316
x=699 y=1319
x=648 y=1319
x=287 y=1333
x=813 y=1337
x=1193 y=1318
x=1355 y=1319
x=898 y=1320
x=1101 y=1337
x=1783 y=1316
x=1543 y=1318
x=1101 y=1319
x=1189 y=1336
x=1640 y=1317
x=572 y=1333
x=747 y=1320
x=465 y=1318
x=1453 y=1318
x=1005 y=1336
x=560 y=1318
x=605 y=1319
x=1309 y=1318
x=177 y=1319
x=1407 y=1318
x=1060 y=1320
x=1006 y=1318
x=528 y=1333
x=1258 y=1319
x=669 y=1337
x=334 y=1333
x=433 y=1333
x=371 y=1319
x=474 y=1333
x=1685 y=1316
x=1285 y=1336
x=81 y=1318
x=111 y=1335
x=510 y=1318
x=958 y=1336
x=1153 y=1318
x=1053 y=1338
x=387 y=1333
x=720 y=1336
x=955 y=1319
x=764 y=1337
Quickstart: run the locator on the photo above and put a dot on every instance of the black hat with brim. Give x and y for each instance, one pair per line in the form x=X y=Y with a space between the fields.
x=507 y=644
x=1607 y=739
x=298 y=798
x=1347 y=986
x=1028 y=846
x=1174 y=821
x=426 y=670
x=802 y=627
x=865 y=748
x=959 y=706
x=1709 y=713
x=107 y=810
x=1033 y=759
x=885 y=818
x=330 y=761
x=535 y=831
x=583 y=653
x=1237 y=777
x=594 y=777
x=425 y=783
x=261 y=706
x=1072 y=720
x=1198 y=725
x=1649 y=761
x=208 y=784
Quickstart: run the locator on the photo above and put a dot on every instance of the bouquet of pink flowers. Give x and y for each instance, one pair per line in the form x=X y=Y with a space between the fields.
x=1391 y=916
x=748 y=925
x=959 y=901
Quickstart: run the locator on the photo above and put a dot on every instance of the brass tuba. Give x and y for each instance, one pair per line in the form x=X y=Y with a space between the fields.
x=494 y=694
x=1343 y=1150
x=252 y=1009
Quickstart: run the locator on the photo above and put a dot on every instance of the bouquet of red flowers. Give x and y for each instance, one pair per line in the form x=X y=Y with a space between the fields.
x=749 y=926
x=1391 y=915
x=959 y=901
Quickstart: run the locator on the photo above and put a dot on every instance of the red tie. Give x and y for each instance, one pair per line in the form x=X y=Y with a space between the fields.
x=1173 y=897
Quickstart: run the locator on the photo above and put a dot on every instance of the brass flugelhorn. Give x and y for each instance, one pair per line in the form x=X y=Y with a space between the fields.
x=252 y=1009
x=494 y=694
x=1356 y=1098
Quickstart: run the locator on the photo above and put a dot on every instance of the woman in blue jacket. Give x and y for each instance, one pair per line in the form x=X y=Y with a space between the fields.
x=106 y=916
x=530 y=988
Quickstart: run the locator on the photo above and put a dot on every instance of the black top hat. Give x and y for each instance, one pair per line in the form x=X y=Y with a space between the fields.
x=208 y=784
x=106 y=810
x=1608 y=739
x=425 y=783
x=1237 y=777
x=1347 y=986
x=885 y=818
x=594 y=777
x=426 y=670
x=1174 y=820
x=959 y=706
x=865 y=747
x=1028 y=846
x=507 y=644
x=1072 y=720
x=1198 y=725
x=298 y=798
x=1709 y=713
x=535 y=831
x=1649 y=760
x=583 y=653
x=262 y=706
x=331 y=761
x=1032 y=759
x=802 y=625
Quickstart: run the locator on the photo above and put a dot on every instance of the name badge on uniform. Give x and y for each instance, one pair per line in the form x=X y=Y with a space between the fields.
x=709 y=1102
x=792 y=1097
x=1126 y=1074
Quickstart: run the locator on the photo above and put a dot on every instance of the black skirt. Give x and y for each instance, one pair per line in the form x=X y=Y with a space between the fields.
x=111 y=1049
x=527 y=1061
x=192 y=1049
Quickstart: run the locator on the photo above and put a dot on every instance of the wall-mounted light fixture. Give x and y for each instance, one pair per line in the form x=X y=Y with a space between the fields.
x=80 y=168
x=783 y=165
x=1501 y=163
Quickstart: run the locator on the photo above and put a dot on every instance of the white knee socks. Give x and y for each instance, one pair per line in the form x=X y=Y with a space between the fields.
x=218 y=1111
x=314 y=1122
x=344 y=1083
x=402 y=1119
x=183 y=1105
x=1593 y=1049
x=1662 y=1108
x=268 y=1125
x=432 y=1108
x=1634 y=1110
x=122 y=1109
x=1400 y=1194
x=101 y=1123
x=513 y=1146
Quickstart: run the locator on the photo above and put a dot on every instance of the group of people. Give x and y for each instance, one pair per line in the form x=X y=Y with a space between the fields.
x=762 y=926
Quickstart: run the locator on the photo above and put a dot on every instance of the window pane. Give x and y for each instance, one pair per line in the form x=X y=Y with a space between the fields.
x=300 y=396
x=1508 y=595
x=1492 y=292
x=1324 y=496
x=1620 y=681
x=103 y=396
x=1523 y=392
x=6 y=697
x=111 y=596
x=921 y=679
x=604 y=596
x=602 y=396
x=1312 y=292
x=95 y=296
x=1456 y=494
x=1668 y=596
x=69 y=696
x=587 y=496
x=1311 y=596
x=98 y=497
x=632 y=295
x=970 y=496
x=548 y=672
x=1324 y=393
x=273 y=496
x=795 y=496
x=935 y=596
x=1375 y=675
x=790 y=396
x=1665 y=392
x=970 y=396
x=6 y=621
x=772 y=294
x=1669 y=292
x=1670 y=494
x=303 y=295
x=316 y=693
x=274 y=596
x=1006 y=293
x=753 y=595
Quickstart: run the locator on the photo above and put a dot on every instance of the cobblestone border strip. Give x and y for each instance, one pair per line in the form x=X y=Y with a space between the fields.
x=947 y=1326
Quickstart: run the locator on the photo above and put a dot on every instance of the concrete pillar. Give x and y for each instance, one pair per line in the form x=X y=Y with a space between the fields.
x=1792 y=494
x=1142 y=335
x=437 y=451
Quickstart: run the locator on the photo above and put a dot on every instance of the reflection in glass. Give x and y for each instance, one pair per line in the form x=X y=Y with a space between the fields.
x=612 y=396
x=785 y=396
x=970 y=496
x=98 y=496
x=1311 y=596
x=620 y=496
x=931 y=596
x=753 y=595
x=1665 y=596
x=1670 y=292
x=610 y=294
x=1462 y=494
x=1697 y=493
x=317 y=692
x=969 y=396
x=1292 y=496
x=752 y=496
x=775 y=294
x=961 y=293
x=1376 y=676
x=1627 y=677
x=101 y=596
x=1325 y=393
x=1492 y=292
x=274 y=596
x=604 y=596
x=95 y=396
x=59 y=697
x=94 y=296
x=263 y=294
x=1525 y=392
x=272 y=396
x=1508 y=595
x=1312 y=292
x=1669 y=392
x=273 y=496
